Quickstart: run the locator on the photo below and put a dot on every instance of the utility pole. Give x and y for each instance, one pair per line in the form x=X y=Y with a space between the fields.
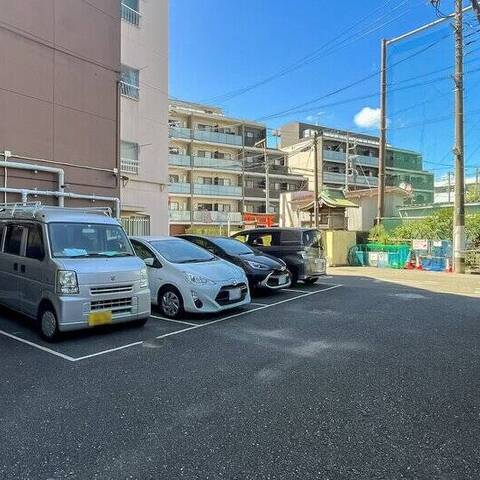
x=347 y=161
x=267 y=177
x=315 y=180
x=383 y=133
x=459 y=206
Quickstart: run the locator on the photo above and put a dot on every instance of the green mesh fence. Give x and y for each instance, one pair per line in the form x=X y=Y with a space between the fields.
x=379 y=255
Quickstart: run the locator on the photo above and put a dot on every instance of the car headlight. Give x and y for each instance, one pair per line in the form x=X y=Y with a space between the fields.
x=143 y=278
x=257 y=266
x=197 y=279
x=67 y=282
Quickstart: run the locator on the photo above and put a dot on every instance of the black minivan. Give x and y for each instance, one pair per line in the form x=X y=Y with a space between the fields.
x=300 y=248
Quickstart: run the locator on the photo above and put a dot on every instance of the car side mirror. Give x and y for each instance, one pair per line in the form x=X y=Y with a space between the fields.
x=152 y=263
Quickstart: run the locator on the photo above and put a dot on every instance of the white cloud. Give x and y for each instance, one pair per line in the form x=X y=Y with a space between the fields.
x=368 y=117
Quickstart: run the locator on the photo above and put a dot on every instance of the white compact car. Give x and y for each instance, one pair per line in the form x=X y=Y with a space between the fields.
x=185 y=277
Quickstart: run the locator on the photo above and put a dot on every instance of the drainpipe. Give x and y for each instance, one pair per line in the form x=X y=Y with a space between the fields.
x=31 y=167
x=60 y=194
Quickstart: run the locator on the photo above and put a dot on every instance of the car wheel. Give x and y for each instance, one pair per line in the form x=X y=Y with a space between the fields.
x=48 y=325
x=171 y=302
x=311 y=281
x=294 y=277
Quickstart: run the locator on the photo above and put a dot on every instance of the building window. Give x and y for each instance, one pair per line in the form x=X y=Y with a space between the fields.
x=249 y=184
x=130 y=82
x=174 y=206
x=131 y=12
x=204 y=154
x=129 y=157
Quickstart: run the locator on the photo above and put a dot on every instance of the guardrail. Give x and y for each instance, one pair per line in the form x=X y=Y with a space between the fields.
x=130 y=15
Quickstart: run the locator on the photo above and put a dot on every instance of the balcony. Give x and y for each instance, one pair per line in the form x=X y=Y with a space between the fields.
x=217 y=190
x=130 y=15
x=217 y=137
x=129 y=165
x=207 y=216
x=366 y=160
x=179 y=160
x=129 y=90
x=360 y=180
x=179 y=215
x=359 y=159
x=218 y=163
x=180 y=132
x=257 y=192
x=179 y=188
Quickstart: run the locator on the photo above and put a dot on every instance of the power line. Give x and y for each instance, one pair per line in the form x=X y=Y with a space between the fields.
x=353 y=84
x=317 y=54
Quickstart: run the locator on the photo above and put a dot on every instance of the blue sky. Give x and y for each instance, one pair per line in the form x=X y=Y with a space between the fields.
x=221 y=46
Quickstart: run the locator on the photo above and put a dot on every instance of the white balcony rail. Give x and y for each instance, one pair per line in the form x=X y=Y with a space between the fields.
x=179 y=215
x=129 y=165
x=129 y=90
x=207 y=216
x=136 y=225
x=130 y=15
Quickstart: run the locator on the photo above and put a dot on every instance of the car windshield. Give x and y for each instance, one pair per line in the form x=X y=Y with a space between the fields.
x=181 y=251
x=312 y=238
x=76 y=240
x=233 y=247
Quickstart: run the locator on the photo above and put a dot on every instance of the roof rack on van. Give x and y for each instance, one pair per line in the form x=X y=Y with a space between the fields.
x=30 y=209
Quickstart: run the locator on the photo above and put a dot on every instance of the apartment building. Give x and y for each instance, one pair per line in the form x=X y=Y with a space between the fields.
x=445 y=187
x=59 y=102
x=218 y=168
x=144 y=116
x=350 y=161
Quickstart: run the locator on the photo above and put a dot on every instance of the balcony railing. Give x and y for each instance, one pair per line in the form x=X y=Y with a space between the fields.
x=129 y=90
x=136 y=225
x=207 y=216
x=180 y=132
x=179 y=188
x=217 y=190
x=360 y=159
x=179 y=160
x=218 y=163
x=334 y=177
x=130 y=15
x=179 y=215
x=217 y=137
x=129 y=165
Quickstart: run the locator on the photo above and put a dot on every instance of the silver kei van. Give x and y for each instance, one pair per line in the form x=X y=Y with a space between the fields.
x=70 y=268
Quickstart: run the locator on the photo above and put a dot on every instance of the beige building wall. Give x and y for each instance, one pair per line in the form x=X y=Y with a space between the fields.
x=145 y=121
x=58 y=100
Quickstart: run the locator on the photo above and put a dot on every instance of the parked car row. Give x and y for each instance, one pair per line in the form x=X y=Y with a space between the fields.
x=70 y=269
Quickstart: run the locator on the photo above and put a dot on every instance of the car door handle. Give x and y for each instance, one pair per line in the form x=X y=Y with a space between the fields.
x=15 y=266
x=22 y=268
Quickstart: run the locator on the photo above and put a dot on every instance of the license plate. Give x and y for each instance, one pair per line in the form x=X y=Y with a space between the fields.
x=282 y=279
x=235 y=294
x=99 y=318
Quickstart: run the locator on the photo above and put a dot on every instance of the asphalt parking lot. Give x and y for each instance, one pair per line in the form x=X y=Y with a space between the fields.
x=353 y=378
x=78 y=346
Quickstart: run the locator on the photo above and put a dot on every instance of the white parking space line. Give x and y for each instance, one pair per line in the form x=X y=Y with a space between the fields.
x=191 y=326
x=39 y=347
x=235 y=315
x=259 y=304
x=296 y=290
x=172 y=320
